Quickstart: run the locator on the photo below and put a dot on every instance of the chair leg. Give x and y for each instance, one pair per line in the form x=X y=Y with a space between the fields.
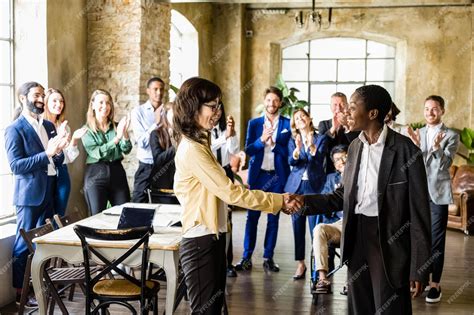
x=71 y=292
x=54 y=293
x=155 y=305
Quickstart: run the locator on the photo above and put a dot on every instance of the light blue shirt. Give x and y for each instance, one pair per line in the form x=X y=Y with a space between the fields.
x=143 y=123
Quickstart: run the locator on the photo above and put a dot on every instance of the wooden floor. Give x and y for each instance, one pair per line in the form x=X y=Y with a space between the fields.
x=257 y=292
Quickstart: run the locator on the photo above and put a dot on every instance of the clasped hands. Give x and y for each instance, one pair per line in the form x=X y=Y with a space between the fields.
x=292 y=203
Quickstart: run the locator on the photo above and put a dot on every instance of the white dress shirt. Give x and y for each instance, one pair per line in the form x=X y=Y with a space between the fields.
x=43 y=135
x=431 y=133
x=268 y=163
x=367 y=193
x=228 y=146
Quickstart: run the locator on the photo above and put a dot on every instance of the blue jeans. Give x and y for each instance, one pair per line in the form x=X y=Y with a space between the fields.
x=63 y=189
x=267 y=181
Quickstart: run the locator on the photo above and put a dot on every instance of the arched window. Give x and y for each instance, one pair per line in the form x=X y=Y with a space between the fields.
x=184 y=50
x=321 y=67
x=6 y=96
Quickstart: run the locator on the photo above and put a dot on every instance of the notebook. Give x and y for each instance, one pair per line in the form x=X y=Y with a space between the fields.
x=135 y=217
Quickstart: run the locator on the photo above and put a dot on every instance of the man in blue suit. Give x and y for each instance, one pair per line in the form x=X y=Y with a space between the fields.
x=267 y=145
x=34 y=150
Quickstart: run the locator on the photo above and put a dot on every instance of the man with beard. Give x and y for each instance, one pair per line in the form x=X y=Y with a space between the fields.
x=386 y=228
x=34 y=150
x=267 y=145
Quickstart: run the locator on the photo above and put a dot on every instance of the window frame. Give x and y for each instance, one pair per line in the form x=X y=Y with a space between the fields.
x=9 y=213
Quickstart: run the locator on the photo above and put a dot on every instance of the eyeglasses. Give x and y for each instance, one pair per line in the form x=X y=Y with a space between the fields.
x=214 y=107
x=342 y=159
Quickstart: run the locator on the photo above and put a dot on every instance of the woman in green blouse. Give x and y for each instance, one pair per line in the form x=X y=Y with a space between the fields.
x=105 y=143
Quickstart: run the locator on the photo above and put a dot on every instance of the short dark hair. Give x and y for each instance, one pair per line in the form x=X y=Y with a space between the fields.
x=190 y=98
x=375 y=97
x=154 y=79
x=436 y=98
x=395 y=111
x=340 y=148
x=274 y=90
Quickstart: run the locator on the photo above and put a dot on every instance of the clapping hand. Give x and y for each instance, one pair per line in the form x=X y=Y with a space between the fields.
x=298 y=142
x=230 y=130
x=437 y=140
x=292 y=203
x=267 y=133
x=122 y=127
x=414 y=135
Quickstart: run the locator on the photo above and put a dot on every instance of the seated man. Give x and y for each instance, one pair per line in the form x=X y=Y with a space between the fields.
x=329 y=233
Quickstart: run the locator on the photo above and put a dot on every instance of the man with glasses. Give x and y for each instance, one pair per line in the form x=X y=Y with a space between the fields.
x=267 y=145
x=324 y=233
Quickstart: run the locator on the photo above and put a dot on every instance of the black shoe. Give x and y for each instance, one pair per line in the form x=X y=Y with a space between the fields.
x=30 y=301
x=244 y=264
x=269 y=264
x=301 y=275
x=344 y=290
x=231 y=273
x=434 y=296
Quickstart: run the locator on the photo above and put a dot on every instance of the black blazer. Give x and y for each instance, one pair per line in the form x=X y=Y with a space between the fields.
x=341 y=137
x=162 y=174
x=404 y=219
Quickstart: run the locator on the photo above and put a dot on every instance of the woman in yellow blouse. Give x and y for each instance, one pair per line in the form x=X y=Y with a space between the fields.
x=105 y=144
x=203 y=189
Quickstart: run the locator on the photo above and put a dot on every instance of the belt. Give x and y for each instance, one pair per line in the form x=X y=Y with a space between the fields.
x=267 y=171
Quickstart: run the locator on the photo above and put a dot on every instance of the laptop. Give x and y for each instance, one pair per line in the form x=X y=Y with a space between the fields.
x=136 y=217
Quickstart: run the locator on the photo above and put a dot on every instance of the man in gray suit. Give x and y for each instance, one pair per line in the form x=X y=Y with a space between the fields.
x=438 y=145
x=386 y=226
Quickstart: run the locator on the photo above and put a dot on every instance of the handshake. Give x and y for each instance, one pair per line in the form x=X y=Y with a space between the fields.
x=292 y=203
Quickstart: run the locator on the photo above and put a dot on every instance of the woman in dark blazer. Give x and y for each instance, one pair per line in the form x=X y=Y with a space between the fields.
x=307 y=151
x=163 y=153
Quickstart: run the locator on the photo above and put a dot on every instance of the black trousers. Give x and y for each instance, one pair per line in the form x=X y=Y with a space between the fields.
x=103 y=182
x=369 y=290
x=230 y=250
x=141 y=182
x=439 y=221
x=204 y=265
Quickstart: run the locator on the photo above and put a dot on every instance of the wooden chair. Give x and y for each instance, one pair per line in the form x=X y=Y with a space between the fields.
x=54 y=276
x=67 y=219
x=118 y=291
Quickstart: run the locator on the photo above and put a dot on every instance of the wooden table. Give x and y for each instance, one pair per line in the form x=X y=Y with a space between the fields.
x=65 y=244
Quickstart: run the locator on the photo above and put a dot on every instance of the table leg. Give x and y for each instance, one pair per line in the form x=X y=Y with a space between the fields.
x=171 y=269
x=37 y=269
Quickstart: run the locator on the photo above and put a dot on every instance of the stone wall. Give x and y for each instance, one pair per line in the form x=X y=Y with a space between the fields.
x=431 y=42
x=128 y=42
x=67 y=71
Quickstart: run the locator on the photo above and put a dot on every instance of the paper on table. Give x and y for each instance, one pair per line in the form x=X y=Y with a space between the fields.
x=165 y=208
x=164 y=219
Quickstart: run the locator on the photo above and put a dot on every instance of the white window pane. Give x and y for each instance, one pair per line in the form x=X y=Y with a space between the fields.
x=380 y=70
x=7 y=107
x=322 y=70
x=296 y=51
x=5 y=62
x=5 y=18
x=321 y=93
x=351 y=70
x=379 y=50
x=338 y=48
x=6 y=202
x=295 y=70
x=4 y=166
x=320 y=112
x=303 y=87
x=389 y=86
x=348 y=89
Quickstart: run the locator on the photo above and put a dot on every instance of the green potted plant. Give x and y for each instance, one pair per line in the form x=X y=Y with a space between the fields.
x=467 y=138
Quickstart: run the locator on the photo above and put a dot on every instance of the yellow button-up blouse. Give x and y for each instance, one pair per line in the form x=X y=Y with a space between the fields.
x=199 y=183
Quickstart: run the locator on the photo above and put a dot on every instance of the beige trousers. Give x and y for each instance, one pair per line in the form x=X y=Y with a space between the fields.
x=324 y=234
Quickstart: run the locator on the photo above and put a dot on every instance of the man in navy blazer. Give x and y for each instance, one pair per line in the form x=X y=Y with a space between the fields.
x=267 y=145
x=34 y=150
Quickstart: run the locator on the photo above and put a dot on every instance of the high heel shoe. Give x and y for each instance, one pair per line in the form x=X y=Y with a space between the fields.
x=301 y=275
